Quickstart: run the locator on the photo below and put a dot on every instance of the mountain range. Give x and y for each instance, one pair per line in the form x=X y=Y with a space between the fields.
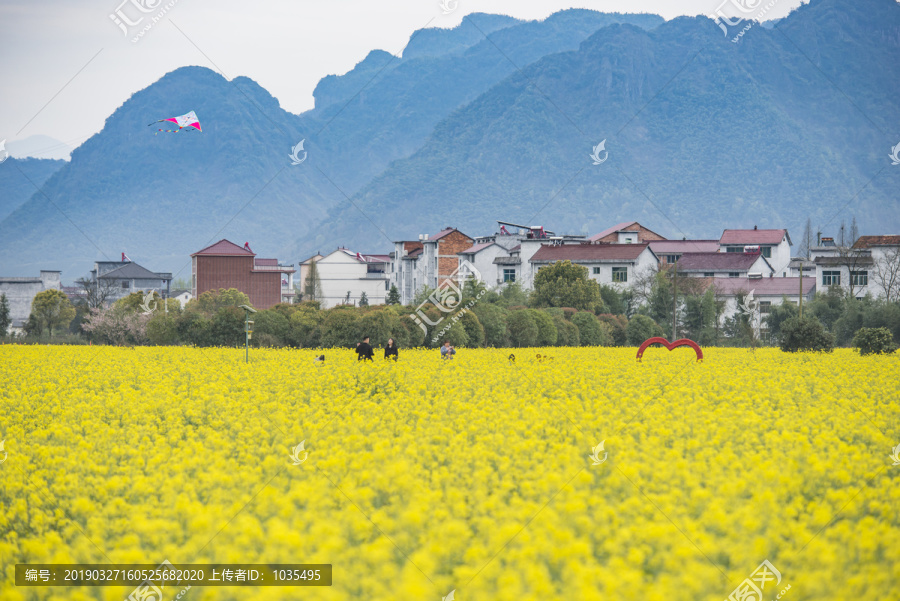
x=494 y=119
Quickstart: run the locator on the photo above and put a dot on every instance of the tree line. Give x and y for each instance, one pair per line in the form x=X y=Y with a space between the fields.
x=565 y=308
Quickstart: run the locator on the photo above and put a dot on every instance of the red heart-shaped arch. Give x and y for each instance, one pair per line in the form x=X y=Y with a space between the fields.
x=670 y=346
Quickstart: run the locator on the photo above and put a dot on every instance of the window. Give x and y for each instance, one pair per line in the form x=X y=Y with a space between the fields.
x=734 y=249
x=734 y=274
x=831 y=278
x=124 y=285
x=709 y=274
x=765 y=307
x=620 y=274
x=859 y=278
x=596 y=271
x=509 y=275
x=767 y=252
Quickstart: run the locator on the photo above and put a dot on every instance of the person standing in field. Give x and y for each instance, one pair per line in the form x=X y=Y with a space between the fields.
x=390 y=351
x=364 y=350
x=447 y=351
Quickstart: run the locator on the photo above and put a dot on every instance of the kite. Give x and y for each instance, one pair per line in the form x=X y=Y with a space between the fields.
x=186 y=120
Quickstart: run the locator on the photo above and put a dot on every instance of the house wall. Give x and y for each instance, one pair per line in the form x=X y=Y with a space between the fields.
x=340 y=273
x=447 y=254
x=20 y=292
x=491 y=274
x=213 y=273
x=858 y=291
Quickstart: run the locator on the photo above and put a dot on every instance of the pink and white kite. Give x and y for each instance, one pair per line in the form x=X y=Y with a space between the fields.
x=183 y=121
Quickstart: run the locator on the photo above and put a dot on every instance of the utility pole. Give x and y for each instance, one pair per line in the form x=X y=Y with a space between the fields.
x=247 y=330
x=800 y=297
x=675 y=303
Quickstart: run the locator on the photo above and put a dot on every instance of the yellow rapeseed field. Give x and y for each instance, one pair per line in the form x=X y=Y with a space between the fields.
x=473 y=475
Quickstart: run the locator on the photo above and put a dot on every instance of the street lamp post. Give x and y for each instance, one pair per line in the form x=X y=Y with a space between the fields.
x=247 y=330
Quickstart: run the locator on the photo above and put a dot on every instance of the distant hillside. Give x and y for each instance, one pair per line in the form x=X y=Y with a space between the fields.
x=702 y=134
x=162 y=197
x=21 y=178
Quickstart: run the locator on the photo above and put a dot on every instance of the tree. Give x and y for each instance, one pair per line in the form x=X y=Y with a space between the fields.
x=493 y=320
x=547 y=334
x=312 y=286
x=806 y=334
x=874 y=341
x=886 y=272
x=512 y=294
x=806 y=240
x=564 y=284
x=778 y=314
x=117 y=325
x=522 y=329
x=612 y=298
x=97 y=292
x=5 y=320
x=52 y=309
x=211 y=301
x=474 y=329
x=363 y=300
x=393 y=296
x=640 y=328
x=590 y=331
x=854 y=232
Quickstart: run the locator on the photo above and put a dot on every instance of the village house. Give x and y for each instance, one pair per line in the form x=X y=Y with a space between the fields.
x=426 y=262
x=774 y=246
x=226 y=265
x=121 y=278
x=345 y=275
x=629 y=232
x=767 y=293
x=670 y=251
x=20 y=292
x=616 y=265
x=883 y=279
x=725 y=265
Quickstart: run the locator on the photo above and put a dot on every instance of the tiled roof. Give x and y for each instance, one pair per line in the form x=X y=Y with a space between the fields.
x=867 y=241
x=849 y=262
x=683 y=246
x=133 y=271
x=223 y=247
x=716 y=261
x=589 y=252
x=611 y=230
x=752 y=236
x=476 y=248
x=443 y=233
x=764 y=286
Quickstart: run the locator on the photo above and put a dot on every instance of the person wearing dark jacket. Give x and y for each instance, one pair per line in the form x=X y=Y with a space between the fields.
x=364 y=351
x=390 y=351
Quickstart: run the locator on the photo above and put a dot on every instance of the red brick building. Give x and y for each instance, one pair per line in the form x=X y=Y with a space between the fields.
x=227 y=265
x=629 y=232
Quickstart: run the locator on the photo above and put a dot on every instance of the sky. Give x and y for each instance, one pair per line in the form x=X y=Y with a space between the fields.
x=66 y=64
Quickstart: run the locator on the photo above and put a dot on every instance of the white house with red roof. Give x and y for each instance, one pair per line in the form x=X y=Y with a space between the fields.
x=725 y=265
x=767 y=293
x=616 y=265
x=774 y=246
x=345 y=275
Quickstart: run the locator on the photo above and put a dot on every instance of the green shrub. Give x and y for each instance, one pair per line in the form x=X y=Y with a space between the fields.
x=640 y=328
x=590 y=331
x=522 y=329
x=874 y=341
x=807 y=334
